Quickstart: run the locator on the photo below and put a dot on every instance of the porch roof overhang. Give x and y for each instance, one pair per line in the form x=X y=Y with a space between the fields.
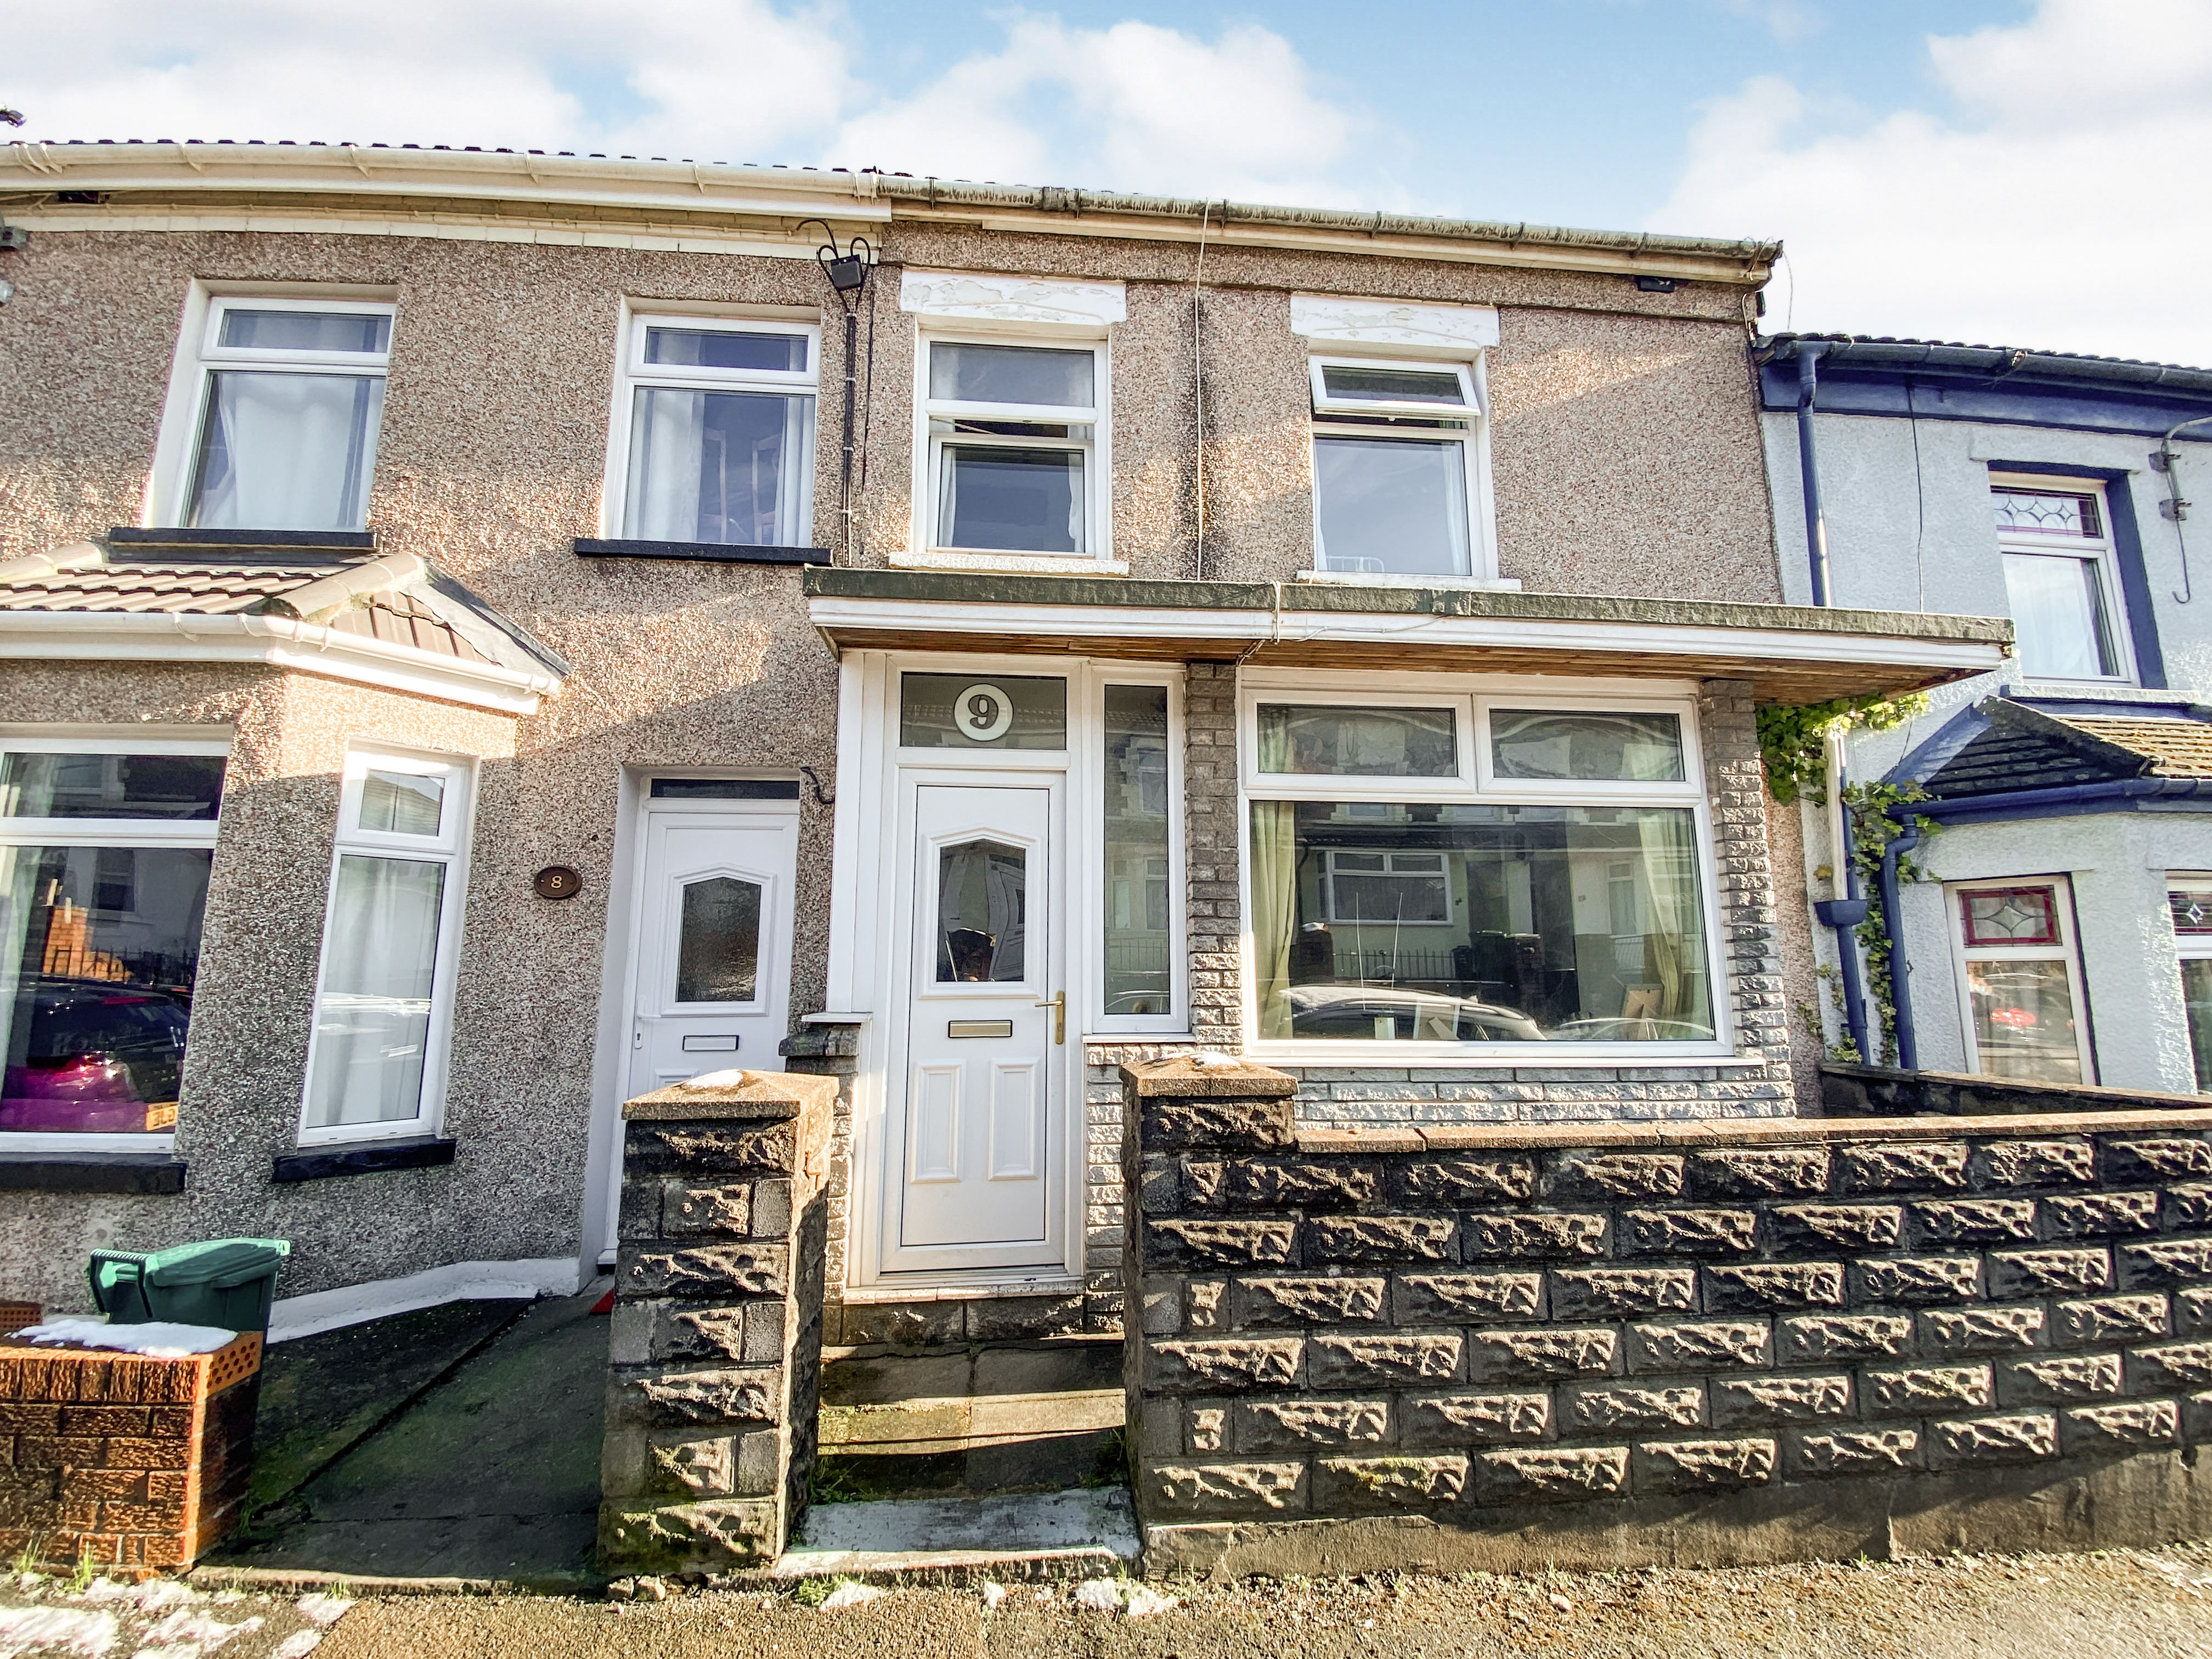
x=1791 y=654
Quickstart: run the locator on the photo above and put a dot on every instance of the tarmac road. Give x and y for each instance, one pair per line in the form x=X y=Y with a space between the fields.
x=2139 y=1604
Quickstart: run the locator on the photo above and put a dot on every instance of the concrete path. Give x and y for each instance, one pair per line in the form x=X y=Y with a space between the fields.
x=492 y=1473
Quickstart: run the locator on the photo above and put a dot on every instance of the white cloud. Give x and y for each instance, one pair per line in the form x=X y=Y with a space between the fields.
x=715 y=79
x=1133 y=107
x=2054 y=200
x=1130 y=107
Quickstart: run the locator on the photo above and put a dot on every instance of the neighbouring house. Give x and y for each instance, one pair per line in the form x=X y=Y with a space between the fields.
x=485 y=634
x=2061 y=926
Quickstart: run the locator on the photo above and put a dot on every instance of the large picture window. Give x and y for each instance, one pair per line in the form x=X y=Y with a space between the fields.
x=376 y=1063
x=1454 y=871
x=721 y=445
x=105 y=851
x=291 y=396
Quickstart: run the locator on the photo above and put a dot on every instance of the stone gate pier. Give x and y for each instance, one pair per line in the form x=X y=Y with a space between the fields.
x=716 y=1350
x=1694 y=1343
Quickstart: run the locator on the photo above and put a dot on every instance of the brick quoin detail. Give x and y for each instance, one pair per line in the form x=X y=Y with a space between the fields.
x=1824 y=1335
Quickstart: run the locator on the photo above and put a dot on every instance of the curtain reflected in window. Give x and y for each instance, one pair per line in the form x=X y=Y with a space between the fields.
x=982 y=913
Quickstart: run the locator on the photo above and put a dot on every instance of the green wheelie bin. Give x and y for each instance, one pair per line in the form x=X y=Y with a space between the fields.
x=228 y=1283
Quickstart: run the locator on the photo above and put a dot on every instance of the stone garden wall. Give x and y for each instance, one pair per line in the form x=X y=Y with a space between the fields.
x=716 y=1350
x=1497 y=1347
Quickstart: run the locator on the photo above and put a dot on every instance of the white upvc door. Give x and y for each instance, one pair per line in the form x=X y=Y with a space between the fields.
x=977 y=1133
x=713 y=975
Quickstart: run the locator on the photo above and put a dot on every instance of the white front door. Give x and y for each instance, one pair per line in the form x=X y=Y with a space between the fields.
x=714 y=949
x=978 y=1142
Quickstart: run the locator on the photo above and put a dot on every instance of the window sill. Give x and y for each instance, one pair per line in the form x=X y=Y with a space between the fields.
x=156 y=1173
x=324 y=1162
x=699 y=552
x=1032 y=564
x=1498 y=1056
x=1380 y=578
x=244 y=541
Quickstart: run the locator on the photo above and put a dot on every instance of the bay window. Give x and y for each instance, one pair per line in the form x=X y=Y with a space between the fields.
x=383 y=998
x=2019 y=980
x=106 y=849
x=2189 y=901
x=1447 y=870
x=720 y=432
x=1014 y=457
x=290 y=397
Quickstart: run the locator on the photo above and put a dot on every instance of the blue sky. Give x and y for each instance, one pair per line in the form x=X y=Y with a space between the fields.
x=2022 y=172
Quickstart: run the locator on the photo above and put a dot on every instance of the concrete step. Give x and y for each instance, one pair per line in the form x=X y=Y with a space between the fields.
x=1031 y=1416
x=962 y=1540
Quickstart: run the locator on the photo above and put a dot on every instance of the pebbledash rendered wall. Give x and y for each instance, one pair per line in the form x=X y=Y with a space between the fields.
x=1727 y=1341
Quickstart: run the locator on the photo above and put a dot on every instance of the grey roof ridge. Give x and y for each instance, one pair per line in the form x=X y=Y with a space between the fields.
x=326 y=596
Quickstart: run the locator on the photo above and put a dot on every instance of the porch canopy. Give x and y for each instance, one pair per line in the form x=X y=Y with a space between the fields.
x=1791 y=654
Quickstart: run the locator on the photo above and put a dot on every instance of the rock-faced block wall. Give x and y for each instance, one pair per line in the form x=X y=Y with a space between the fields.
x=716 y=1350
x=1698 y=1342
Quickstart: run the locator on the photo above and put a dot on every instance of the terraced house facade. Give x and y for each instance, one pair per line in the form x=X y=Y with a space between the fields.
x=485 y=635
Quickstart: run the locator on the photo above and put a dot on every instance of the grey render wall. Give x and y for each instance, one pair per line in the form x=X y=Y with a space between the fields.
x=1507 y=1348
x=490 y=460
x=1911 y=533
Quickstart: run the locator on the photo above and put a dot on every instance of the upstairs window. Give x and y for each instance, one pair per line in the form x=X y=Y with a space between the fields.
x=1013 y=447
x=287 y=415
x=2055 y=536
x=1394 y=466
x=721 y=445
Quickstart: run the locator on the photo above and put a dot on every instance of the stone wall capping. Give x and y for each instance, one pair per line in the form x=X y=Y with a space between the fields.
x=1216 y=1076
x=1746 y=1131
x=772 y=1096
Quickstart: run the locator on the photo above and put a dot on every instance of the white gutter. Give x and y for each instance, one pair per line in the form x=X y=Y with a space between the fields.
x=487 y=175
x=276 y=642
x=1298 y=627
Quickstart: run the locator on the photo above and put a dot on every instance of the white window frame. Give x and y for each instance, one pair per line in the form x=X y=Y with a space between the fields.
x=1472 y=437
x=1472 y=698
x=1389 y=857
x=108 y=832
x=199 y=356
x=633 y=372
x=1087 y=749
x=2189 y=947
x=2068 y=950
x=1097 y=450
x=449 y=847
x=2098 y=551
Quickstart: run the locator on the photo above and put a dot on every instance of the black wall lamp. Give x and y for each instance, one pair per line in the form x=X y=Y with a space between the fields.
x=847 y=271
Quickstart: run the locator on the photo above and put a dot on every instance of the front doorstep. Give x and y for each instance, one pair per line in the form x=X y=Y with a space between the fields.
x=956 y=1540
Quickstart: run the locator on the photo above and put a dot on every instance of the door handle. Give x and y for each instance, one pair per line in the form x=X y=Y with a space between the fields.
x=1058 y=1003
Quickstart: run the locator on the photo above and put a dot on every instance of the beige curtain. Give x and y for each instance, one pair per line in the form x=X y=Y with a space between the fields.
x=1275 y=910
x=1670 y=873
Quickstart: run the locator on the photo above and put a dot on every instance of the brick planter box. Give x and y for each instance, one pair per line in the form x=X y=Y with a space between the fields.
x=1700 y=1343
x=139 y=1464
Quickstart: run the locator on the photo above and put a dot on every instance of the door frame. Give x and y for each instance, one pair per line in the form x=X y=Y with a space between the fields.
x=874 y=780
x=618 y=976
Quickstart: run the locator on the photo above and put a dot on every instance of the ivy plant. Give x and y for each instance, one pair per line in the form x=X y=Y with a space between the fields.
x=1792 y=738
